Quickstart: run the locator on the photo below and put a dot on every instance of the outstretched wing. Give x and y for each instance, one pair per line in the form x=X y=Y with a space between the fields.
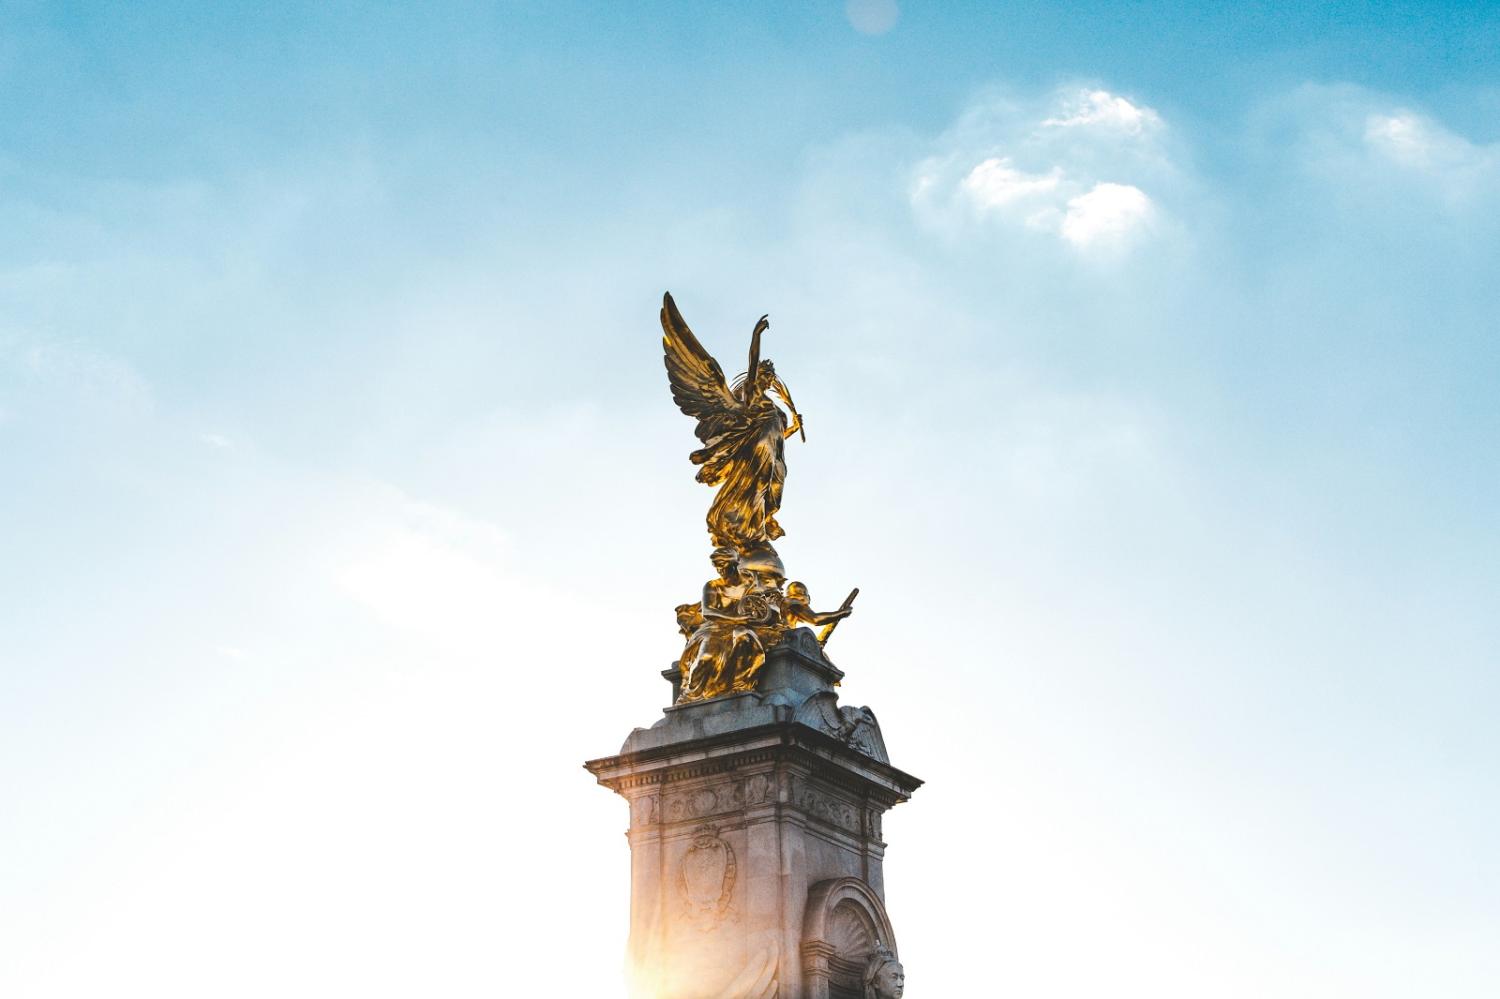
x=698 y=385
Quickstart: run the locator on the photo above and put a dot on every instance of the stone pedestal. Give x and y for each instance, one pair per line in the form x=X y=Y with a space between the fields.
x=756 y=856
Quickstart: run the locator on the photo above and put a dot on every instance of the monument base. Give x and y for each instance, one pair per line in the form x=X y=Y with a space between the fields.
x=755 y=844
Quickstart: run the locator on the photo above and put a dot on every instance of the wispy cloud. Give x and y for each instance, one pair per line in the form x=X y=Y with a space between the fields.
x=1422 y=145
x=1078 y=166
x=1104 y=109
x=83 y=371
x=1373 y=147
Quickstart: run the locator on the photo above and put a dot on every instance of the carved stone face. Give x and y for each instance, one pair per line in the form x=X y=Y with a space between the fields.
x=890 y=983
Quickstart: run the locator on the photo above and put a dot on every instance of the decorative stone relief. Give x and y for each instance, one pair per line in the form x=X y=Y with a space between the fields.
x=693 y=804
x=759 y=789
x=645 y=810
x=850 y=931
x=706 y=878
x=827 y=807
x=731 y=796
x=854 y=727
x=861 y=732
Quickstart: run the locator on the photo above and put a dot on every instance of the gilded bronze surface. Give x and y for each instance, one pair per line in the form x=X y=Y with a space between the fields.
x=743 y=431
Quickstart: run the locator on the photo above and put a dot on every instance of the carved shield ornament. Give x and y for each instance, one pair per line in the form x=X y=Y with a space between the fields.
x=707 y=879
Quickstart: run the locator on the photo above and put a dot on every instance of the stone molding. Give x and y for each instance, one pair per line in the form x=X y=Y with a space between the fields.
x=777 y=742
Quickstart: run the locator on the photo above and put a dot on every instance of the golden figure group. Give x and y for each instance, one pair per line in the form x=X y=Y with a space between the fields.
x=744 y=611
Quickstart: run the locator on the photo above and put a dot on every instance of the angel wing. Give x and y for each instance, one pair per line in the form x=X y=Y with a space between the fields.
x=742 y=432
x=698 y=385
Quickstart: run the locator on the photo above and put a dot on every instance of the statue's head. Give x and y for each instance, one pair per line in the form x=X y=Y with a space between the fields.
x=884 y=976
x=765 y=379
x=726 y=561
x=761 y=562
x=797 y=591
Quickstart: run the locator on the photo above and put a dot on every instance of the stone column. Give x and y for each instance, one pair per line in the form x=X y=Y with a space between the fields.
x=756 y=858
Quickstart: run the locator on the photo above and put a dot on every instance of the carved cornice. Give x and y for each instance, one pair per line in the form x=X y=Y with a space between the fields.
x=789 y=743
x=629 y=780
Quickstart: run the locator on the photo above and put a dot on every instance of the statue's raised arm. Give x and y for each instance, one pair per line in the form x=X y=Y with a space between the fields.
x=741 y=430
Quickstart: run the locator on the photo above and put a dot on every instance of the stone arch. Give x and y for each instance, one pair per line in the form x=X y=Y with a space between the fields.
x=845 y=919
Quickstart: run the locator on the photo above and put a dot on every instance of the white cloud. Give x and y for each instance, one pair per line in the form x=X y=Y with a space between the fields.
x=996 y=182
x=1418 y=143
x=1369 y=148
x=1076 y=166
x=1403 y=137
x=1102 y=108
x=1108 y=212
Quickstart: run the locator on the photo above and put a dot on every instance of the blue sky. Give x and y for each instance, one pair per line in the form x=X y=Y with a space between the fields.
x=1148 y=357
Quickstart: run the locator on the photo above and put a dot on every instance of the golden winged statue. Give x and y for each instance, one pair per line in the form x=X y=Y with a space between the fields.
x=744 y=612
x=741 y=429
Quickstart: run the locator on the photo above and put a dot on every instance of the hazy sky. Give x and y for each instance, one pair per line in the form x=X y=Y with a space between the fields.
x=1149 y=358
